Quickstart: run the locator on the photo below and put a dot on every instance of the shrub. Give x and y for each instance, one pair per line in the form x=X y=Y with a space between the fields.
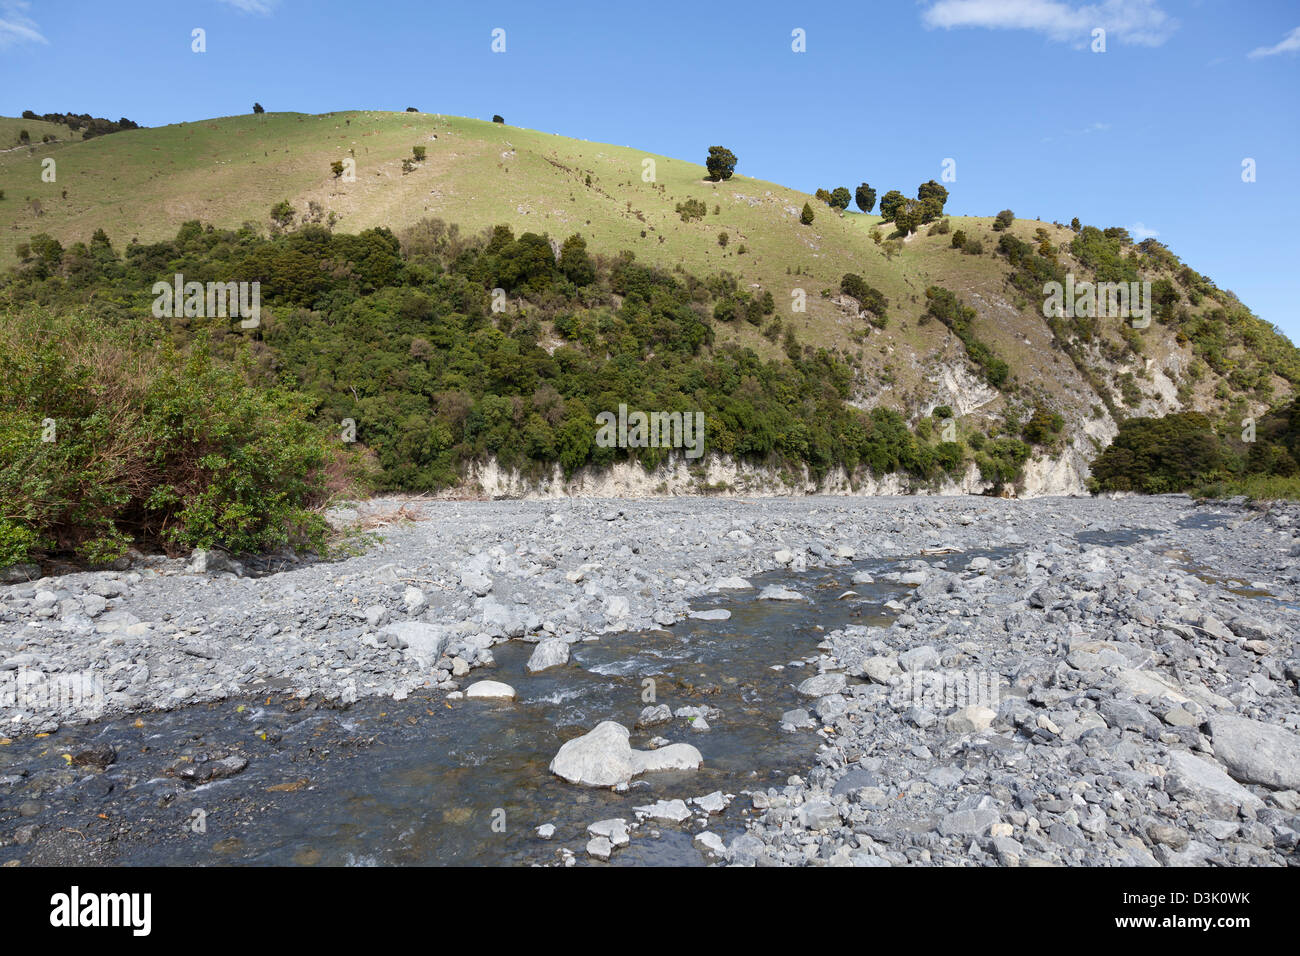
x=869 y=298
x=1103 y=254
x=692 y=209
x=418 y=153
x=806 y=217
x=1043 y=428
x=282 y=213
x=960 y=318
x=1003 y=220
x=148 y=445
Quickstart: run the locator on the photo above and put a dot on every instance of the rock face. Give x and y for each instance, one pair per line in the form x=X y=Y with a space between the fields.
x=603 y=757
x=1257 y=753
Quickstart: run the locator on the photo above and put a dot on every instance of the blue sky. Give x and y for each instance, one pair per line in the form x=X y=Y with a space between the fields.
x=1151 y=134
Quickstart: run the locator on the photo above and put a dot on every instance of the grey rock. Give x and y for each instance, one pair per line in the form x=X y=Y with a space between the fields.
x=551 y=652
x=1255 y=752
x=1202 y=780
x=604 y=758
x=820 y=685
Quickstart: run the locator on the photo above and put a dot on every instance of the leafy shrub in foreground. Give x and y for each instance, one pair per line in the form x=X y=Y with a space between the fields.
x=107 y=439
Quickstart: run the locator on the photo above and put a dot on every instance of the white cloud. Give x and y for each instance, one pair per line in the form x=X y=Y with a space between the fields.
x=1290 y=44
x=263 y=7
x=1139 y=22
x=16 y=27
x=1140 y=231
x=1097 y=127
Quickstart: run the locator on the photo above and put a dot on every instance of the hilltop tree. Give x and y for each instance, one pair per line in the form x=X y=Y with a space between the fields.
x=1004 y=219
x=497 y=118
x=930 y=208
x=841 y=197
x=890 y=203
x=865 y=197
x=721 y=163
x=257 y=108
x=823 y=195
x=412 y=109
x=933 y=189
x=908 y=216
x=806 y=217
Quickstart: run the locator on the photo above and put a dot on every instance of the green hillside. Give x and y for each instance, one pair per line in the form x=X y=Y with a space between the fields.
x=1206 y=353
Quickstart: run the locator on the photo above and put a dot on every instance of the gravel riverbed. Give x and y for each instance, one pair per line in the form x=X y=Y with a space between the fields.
x=1065 y=680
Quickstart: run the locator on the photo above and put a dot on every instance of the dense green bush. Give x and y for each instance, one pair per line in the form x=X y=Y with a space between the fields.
x=871 y=299
x=1160 y=455
x=1043 y=428
x=1102 y=252
x=109 y=438
x=692 y=209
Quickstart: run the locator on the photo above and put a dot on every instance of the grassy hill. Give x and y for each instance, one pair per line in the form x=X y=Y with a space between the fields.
x=140 y=185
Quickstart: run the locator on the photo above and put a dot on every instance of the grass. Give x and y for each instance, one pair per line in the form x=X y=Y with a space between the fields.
x=1255 y=488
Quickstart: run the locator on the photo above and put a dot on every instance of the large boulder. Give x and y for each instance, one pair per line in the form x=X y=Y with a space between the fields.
x=489 y=690
x=820 y=685
x=1257 y=753
x=1205 y=781
x=501 y=621
x=423 y=643
x=551 y=652
x=603 y=757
